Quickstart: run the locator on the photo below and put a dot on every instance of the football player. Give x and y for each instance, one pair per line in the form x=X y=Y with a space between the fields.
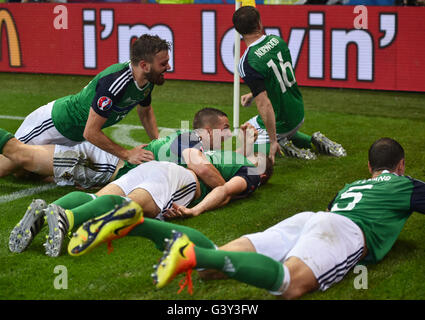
x=266 y=67
x=87 y=165
x=154 y=185
x=106 y=100
x=312 y=250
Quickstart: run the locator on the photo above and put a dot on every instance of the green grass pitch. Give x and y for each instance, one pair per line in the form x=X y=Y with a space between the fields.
x=353 y=118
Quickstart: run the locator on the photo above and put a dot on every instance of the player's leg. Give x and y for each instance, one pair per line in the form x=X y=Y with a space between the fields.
x=242 y=244
x=32 y=158
x=326 y=146
x=84 y=165
x=61 y=217
x=301 y=140
x=258 y=257
x=6 y=165
x=61 y=221
x=37 y=159
x=157 y=231
x=139 y=195
x=155 y=187
x=38 y=128
x=296 y=144
x=275 y=242
x=248 y=267
x=152 y=229
x=112 y=225
x=302 y=280
x=298 y=148
x=35 y=218
x=329 y=246
x=144 y=198
x=80 y=207
x=28 y=227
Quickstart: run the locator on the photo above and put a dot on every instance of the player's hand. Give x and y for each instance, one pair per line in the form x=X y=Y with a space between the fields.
x=246 y=99
x=250 y=134
x=177 y=211
x=274 y=148
x=138 y=155
x=247 y=136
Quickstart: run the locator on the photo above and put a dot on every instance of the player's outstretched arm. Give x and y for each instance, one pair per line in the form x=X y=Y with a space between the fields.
x=93 y=133
x=148 y=120
x=218 y=197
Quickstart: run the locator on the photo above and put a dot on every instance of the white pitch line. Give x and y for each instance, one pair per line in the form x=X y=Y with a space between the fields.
x=26 y=192
x=11 y=117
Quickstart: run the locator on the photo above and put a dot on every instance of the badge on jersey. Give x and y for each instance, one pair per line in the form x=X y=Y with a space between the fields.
x=104 y=103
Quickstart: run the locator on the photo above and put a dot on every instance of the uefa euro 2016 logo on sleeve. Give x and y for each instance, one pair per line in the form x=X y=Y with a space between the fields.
x=104 y=103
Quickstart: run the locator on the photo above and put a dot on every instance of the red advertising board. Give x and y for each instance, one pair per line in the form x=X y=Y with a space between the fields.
x=331 y=46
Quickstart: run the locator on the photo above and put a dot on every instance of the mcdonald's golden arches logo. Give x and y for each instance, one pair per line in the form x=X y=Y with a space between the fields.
x=7 y=23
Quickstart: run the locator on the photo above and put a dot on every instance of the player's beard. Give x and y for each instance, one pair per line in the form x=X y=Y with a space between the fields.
x=155 y=77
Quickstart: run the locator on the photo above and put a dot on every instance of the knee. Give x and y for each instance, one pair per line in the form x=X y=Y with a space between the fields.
x=302 y=279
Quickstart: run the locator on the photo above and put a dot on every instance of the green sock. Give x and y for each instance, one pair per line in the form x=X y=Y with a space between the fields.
x=157 y=231
x=74 y=199
x=95 y=208
x=5 y=136
x=301 y=140
x=248 y=267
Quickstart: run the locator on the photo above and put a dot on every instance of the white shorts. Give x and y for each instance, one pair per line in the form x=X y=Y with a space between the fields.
x=166 y=182
x=38 y=128
x=263 y=136
x=83 y=164
x=328 y=243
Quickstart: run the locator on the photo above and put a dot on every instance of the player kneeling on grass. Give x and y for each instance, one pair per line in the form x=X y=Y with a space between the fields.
x=294 y=256
x=266 y=67
x=156 y=186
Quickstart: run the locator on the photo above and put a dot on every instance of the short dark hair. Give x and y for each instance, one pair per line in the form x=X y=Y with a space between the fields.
x=246 y=20
x=146 y=47
x=207 y=116
x=385 y=154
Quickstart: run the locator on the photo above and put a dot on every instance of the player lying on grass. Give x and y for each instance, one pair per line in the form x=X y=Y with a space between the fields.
x=306 y=252
x=87 y=165
x=241 y=181
x=155 y=185
x=266 y=67
x=106 y=100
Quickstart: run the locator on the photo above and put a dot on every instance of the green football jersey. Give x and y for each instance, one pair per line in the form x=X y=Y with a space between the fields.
x=229 y=164
x=266 y=65
x=380 y=206
x=112 y=94
x=168 y=149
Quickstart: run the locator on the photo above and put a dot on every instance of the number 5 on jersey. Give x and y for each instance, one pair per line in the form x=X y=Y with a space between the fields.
x=357 y=196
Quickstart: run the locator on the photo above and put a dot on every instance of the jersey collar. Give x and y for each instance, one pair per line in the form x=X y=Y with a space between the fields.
x=257 y=41
x=135 y=82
